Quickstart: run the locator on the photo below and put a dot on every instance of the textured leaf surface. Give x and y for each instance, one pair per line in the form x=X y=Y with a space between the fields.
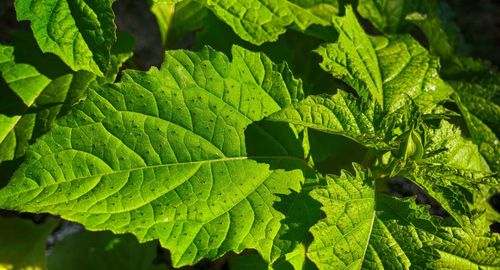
x=454 y=173
x=171 y=154
x=447 y=146
x=477 y=94
x=441 y=42
x=39 y=87
x=23 y=79
x=102 y=250
x=30 y=83
x=259 y=21
x=371 y=231
x=392 y=71
x=23 y=243
x=80 y=32
x=340 y=114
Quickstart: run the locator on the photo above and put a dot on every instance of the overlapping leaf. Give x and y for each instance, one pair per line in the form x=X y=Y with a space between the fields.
x=478 y=98
x=38 y=88
x=174 y=154
x=80 y=32
x=366 y=230
x=455 y=174
x=263 y=21
x=393 y=71
x=389 y=16
x=340 y=114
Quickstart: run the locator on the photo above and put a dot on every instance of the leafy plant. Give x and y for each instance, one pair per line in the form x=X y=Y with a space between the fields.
x=235 y=152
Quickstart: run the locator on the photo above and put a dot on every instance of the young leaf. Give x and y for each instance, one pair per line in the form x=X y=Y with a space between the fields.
x=23 y=243
x=174 y=154
x=102 y=250
x=80 y=32
x=164 y=13
x=393 y=71
x=454 y=173
x=446 y=146
x=366 y=230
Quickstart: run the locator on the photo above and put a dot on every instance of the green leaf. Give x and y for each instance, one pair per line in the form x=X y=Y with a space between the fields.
x=174 y=154
x=167 y=1
x=353 y=58
x=477 y=94
x=80 y=32
x=366 y=230
x=466 y=249
x=485 y=138
x=291 y=48
x=23 y=85
x=102 y=250
x=440 y=42
x=26 y=84
x=446 y=146
x=454 y=173
x=39 y=88
x=433 y=18
x=461 y=193
x=23 y=243
x=180 y=20
x=259 y=21
x=121 y=51
x=164 y=13
x=24 y=80
x=340 y=114
x=393 y=71
x=480 y=100
x=388 y=16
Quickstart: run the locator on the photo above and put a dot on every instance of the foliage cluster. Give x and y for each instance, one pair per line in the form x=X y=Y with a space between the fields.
x=274 y=143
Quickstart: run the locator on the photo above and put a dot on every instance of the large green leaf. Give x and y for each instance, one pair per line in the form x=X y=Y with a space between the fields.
x=174 y=154
x=23 y=243
x=259 y=21
x=366 y=230
x=393 y=71
x=80 y=32
x=102 y=250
